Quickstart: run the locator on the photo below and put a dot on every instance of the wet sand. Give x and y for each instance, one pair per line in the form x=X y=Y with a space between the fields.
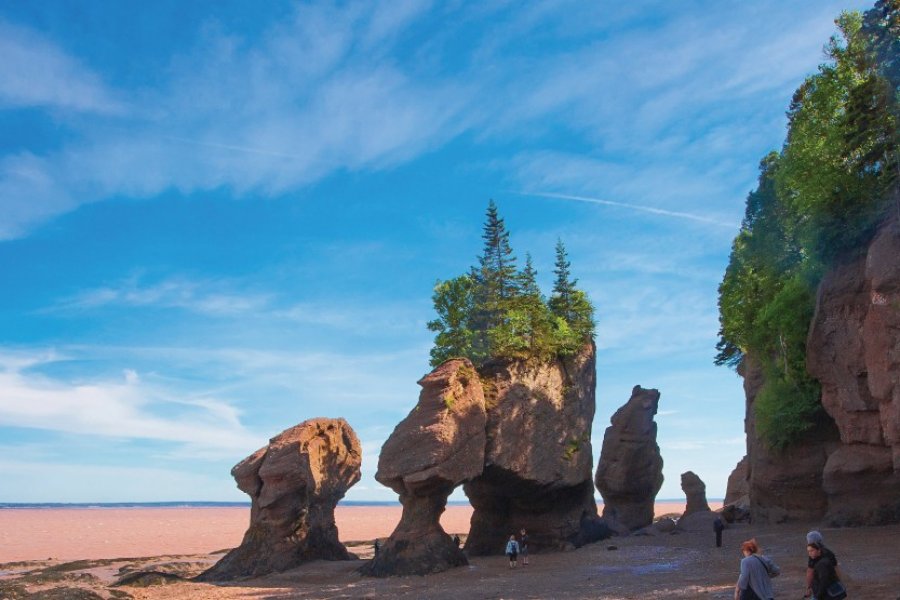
x=96 y=533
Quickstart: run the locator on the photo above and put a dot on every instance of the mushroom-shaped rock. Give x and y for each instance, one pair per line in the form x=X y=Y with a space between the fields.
x=695 y=491
x=537 y=473
x=629 y=472
x=439 y=445
x=294 y=484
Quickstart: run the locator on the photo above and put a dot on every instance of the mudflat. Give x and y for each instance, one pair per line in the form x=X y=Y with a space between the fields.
x=684 y=565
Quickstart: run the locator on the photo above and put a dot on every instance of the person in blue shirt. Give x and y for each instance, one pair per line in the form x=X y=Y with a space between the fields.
x=512 y=551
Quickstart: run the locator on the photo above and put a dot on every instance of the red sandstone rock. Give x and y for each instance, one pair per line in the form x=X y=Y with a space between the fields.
x=695 y=492
x=737 y=492
x=784 y=485
x=294 y=484
x=853 y=350
x=439 y=445
x=538 y=461
x=629 y=473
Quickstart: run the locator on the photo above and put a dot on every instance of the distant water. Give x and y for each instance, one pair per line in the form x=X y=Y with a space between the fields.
x=170 y=504
x=226 y=504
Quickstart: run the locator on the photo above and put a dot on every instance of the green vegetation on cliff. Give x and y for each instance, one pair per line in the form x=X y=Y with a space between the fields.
x=819 y=200
x=496 y=311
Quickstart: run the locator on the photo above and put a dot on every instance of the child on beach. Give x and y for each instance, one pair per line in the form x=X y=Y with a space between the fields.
x=512 y=551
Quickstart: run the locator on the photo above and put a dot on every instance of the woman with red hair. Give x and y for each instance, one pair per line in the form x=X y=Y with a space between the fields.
x=756 y=571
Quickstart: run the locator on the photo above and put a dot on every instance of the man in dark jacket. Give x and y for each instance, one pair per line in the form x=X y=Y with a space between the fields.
x=718 y=527
x=814 y=537
x=823 y=570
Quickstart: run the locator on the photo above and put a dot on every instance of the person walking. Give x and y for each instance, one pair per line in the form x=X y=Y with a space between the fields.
x=718 y=527
x=824 y=575
x=754 y=582
x=523 y=547
x=512 y=551
x=814 y=537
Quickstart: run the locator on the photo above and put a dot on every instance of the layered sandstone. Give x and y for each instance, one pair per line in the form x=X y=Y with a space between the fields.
x=294 y=484
x=538 y=460
x=439 y=445
x=629 y=472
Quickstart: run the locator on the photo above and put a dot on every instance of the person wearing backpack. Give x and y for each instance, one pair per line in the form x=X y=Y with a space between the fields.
x=757 y=570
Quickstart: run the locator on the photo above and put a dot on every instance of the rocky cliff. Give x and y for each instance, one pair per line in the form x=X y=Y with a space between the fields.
x=847 y=468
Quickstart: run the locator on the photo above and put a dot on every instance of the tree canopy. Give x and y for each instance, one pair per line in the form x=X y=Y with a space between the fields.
x=817 y=201
x=496 y=311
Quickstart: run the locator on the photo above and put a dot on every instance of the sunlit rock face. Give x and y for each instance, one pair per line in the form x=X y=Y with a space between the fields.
x=439 y=445
x=538 y=460
x=629 y=472
x=294 y=484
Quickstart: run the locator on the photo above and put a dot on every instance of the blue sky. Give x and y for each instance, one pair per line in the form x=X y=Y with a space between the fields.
x=219 y=220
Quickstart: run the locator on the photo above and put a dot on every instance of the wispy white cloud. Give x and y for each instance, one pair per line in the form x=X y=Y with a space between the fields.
x=201 y=296
x=36 y=72
x=123 y=409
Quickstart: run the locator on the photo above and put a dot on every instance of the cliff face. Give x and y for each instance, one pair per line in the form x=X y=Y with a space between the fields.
x=853 y=350
x=847 y=469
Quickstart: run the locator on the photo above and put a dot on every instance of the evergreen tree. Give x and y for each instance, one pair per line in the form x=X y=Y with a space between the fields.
x=496 y=282
x=571 y=307
x=563 y=287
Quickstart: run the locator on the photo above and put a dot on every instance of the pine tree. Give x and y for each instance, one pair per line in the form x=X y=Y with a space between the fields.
x=496 y=282
x=561 y=299
x=571 y=307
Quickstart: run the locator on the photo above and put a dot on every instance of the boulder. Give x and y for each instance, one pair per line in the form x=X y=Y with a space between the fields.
x=439 y=445
x=537 y=469
x=294 y=484
x=629 y=472
x=697 y=522
x=695 y=492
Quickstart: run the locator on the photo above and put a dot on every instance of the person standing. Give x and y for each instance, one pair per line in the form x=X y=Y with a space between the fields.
x=756 y=572
x=718 y=527
x=523 y=546
x=512 y=551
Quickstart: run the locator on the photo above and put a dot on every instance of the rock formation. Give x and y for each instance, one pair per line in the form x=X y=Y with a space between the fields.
x=537 y=469
x=436 y=447
x=294 y=484
x=847 y=468
x=629 y=473
x=853 y=350
x=695 y=492
x=737 y=492
x=783 y=486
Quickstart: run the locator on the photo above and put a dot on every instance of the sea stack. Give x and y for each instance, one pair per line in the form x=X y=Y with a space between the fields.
x=629 y=472
x=537 y=470
x=294 y=484
x=439 y=445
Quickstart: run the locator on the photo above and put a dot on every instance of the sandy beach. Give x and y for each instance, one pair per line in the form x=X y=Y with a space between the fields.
x=100 y=533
